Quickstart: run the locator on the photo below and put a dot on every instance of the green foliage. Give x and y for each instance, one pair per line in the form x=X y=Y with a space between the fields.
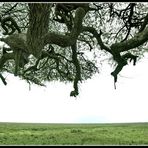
x=73 y=134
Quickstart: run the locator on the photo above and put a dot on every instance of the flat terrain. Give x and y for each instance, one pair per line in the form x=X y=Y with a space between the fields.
x=73 y=134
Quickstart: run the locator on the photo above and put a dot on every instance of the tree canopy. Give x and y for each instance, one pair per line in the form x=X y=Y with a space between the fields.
x=43 y=42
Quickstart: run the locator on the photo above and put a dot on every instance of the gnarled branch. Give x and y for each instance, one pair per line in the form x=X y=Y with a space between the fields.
x=76 y=63
x=137 y=40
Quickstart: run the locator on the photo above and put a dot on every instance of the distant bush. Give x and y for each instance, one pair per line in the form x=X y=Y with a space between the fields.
x=76 y=131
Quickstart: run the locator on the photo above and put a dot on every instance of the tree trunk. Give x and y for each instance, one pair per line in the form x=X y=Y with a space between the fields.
x=38 y=27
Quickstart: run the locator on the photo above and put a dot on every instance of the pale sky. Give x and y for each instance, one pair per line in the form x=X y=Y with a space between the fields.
x=98 y=101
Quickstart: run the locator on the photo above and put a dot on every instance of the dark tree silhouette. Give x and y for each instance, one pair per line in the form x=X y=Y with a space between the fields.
x=50 y=41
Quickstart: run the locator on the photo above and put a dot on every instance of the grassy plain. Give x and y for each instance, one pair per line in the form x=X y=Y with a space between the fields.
x=73 y=134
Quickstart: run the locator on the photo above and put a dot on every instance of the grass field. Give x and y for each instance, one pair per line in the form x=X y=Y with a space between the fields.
x=73 y=134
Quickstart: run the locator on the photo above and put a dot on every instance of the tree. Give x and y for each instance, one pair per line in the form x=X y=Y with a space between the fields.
x=50 y=41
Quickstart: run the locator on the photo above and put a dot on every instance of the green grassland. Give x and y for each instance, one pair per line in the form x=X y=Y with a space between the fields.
x=73 y=134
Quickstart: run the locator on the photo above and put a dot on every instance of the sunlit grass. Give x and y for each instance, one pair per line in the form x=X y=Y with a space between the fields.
x=73 y=134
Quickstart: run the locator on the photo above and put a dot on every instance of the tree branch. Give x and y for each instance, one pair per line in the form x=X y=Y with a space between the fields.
x=3 y=79
x=137 y=40
x=144 y=23
x=122 y=61
x=76 y=63
x=97 y=36
x=70 y=39
x=5 y=58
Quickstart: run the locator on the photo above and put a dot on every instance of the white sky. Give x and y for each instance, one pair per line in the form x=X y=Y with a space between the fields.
x=98 y=101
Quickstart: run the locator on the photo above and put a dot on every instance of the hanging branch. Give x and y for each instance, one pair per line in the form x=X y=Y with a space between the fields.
x=76 y=63
x=3 y=79
x=122 y=61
